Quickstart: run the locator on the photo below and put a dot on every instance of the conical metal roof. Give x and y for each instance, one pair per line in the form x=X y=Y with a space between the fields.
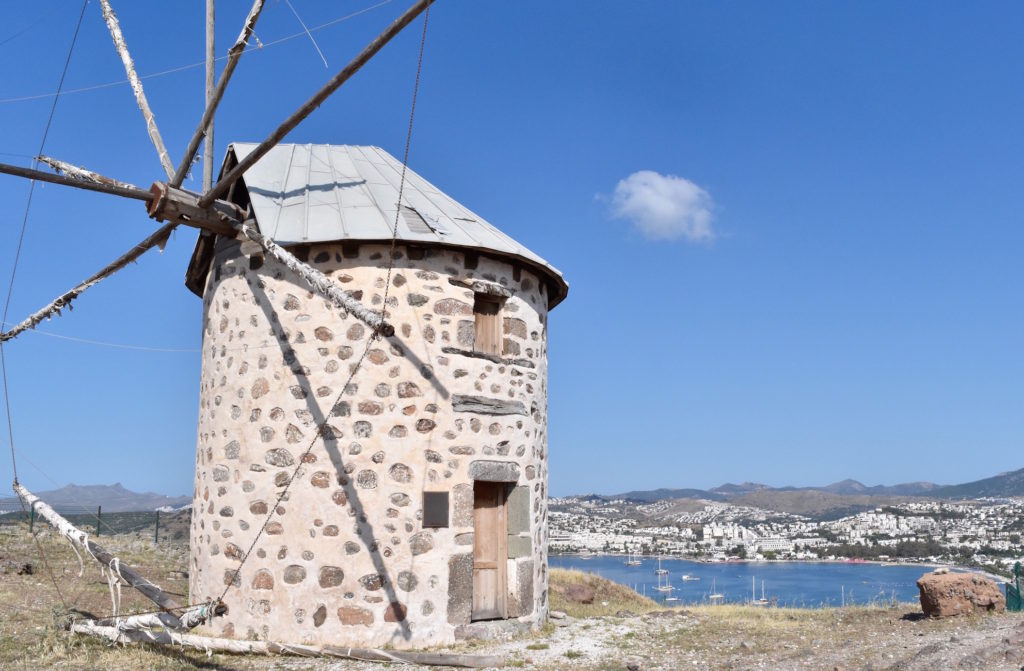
x=324 y=193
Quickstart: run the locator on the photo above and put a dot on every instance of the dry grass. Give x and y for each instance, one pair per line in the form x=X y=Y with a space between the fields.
x=695 y=637
x=609 y=597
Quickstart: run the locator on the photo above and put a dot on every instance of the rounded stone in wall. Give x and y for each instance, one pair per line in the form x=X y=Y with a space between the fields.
x=294 y=574
x=407 y=581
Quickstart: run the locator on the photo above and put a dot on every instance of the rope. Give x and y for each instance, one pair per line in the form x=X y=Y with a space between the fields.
x=369 y=341
x=192 y=66
x=21 y=237
x=10 y=290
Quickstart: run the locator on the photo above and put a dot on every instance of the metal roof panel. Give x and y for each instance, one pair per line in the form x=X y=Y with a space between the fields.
x=323 y=193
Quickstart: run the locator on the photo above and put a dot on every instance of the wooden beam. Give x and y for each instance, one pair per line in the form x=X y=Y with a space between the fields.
x=107 y=560
x=83 y=174
x=209 y=643
x=213 y=100
x=317 y=281
x=211 y=76
x=315 y=101
x=179 y=206
x=136 y=83
x=114 y=187
x=159 y=237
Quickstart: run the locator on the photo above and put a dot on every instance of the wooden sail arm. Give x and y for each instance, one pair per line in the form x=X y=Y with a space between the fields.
x=103 y=184
x=107 y=560
x=317 y=281
x=140 y=95
x=83 y=174
x=209 y=643
x=157 y=238
x=222 y=185
x=234 y=54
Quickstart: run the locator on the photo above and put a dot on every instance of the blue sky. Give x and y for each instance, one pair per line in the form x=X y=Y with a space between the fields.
x=792 y=230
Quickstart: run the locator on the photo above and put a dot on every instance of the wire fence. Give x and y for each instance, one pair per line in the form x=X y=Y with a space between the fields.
x=161 y=525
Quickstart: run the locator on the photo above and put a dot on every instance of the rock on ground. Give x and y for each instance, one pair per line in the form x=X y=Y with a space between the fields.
x=949 y=594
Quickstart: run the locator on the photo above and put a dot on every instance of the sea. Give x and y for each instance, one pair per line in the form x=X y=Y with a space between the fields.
x=800 y=584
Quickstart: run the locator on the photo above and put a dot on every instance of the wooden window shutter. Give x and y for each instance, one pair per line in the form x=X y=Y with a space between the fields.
x=487 y=316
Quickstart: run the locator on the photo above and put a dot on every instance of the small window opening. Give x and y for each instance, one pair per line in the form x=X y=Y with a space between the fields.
x=435 y=510
x=487 y=327
x=471 y=260
x=349 y=250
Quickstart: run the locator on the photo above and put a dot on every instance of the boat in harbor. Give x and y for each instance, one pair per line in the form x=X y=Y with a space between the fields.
x=664 y=585
x=633 y=560
x=754 y=601
x=689 y=578
x=659 y=570
x=714 y=597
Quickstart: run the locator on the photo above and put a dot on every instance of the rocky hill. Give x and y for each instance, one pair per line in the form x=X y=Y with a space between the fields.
x=114 y=499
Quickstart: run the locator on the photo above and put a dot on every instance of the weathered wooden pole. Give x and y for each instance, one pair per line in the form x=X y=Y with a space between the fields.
x=208 y=643
x=213 y=100
x=107 y=560
x=133 y=78
x=211 y=56
x=315 y=101
x=100 y=183
x=317 y=281
x=82 y=174
x=159 y=237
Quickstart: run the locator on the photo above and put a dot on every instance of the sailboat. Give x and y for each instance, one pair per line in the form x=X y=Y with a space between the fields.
x=664 y=585
x=754 y=601
x=631 y=560
x=714 y=596
x=659 y=570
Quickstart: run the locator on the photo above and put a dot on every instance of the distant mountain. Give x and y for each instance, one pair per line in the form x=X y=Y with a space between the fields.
x=854 y=488
x=729 y=489
x=1005 y=484
x=843 y=496
x=114 y=499
x=652 y=495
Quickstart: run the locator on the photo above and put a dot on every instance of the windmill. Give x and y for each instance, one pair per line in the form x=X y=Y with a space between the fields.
x=437 y=497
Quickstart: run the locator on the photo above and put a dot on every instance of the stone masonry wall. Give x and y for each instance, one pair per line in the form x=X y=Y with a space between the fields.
x=345 y=558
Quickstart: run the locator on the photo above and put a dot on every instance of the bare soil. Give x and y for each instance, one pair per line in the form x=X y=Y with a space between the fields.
x=619 y=630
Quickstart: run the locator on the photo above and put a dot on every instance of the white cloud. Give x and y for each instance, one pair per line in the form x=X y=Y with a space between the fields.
x=664 y=207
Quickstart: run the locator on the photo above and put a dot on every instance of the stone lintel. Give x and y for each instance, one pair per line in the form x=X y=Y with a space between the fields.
x=493 y=471
x=479 y=286
x=483 y=405
x=524 y=363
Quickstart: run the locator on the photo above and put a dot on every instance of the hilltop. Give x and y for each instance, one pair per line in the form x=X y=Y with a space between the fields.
x=114 y=499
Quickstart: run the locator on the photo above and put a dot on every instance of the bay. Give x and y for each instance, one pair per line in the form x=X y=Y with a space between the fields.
x=800 y=584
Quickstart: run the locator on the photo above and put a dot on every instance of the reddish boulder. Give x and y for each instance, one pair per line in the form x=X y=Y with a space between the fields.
x=945 y=594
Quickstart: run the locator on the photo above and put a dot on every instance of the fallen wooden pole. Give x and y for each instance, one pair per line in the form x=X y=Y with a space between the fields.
x=208 y=643
x=136 y=83
x=107 y=560
x=116 y=188
x=190 y=618
x=317 y=281
x=234 y=54
x=159 y=237
x=315 y=101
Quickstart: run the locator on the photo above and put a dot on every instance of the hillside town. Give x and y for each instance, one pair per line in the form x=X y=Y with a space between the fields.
x=984 y=532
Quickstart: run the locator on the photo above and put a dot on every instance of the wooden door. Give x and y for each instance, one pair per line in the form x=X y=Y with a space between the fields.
x=490 y=550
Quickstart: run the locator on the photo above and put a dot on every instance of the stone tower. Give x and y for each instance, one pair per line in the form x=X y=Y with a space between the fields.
x=421 y=511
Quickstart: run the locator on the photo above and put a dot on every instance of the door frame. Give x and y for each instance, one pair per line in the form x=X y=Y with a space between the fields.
x=501 y=548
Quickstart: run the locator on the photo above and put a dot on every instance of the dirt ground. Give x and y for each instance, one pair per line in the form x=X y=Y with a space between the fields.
x=604 y=636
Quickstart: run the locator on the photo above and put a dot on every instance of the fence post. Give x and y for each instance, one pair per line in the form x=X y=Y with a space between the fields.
x=31 y=516
x=99 y=513
x=156 y=530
